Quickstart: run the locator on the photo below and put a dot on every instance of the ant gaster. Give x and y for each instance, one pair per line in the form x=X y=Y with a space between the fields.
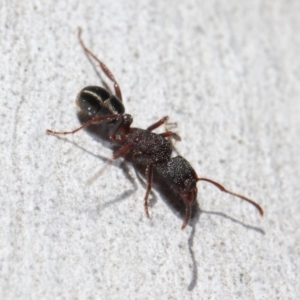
x=104 y=107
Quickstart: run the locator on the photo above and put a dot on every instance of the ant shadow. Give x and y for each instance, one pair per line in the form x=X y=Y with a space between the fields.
x=193 y=224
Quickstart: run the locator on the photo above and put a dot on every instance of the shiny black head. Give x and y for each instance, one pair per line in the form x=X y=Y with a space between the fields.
x=96 y=101
x=180 y=176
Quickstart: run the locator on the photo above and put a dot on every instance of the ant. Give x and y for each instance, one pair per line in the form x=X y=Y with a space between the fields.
x=104 y=107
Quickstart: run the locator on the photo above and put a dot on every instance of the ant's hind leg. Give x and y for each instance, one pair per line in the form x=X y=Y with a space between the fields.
x=104 y=68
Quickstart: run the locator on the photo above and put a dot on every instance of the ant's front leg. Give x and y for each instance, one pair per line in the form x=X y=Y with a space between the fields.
x=97 y=120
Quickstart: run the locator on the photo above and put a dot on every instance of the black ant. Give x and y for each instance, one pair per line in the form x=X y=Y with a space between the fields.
x=105 y=108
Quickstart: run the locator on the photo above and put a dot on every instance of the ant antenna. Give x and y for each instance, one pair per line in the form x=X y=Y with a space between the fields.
x=233 y=194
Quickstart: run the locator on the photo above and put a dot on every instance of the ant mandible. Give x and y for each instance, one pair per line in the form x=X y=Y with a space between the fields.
x=105 y=108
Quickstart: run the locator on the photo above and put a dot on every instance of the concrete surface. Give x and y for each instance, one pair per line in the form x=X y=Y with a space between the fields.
x=228 y=73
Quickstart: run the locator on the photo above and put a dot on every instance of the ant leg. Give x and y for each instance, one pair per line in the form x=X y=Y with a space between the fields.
x=162 y=121
x=104 y=68
x=149 y=174
x=171 y=134
x=96 y=120
x=158 y=123
x=233 y=194
x=122 y=152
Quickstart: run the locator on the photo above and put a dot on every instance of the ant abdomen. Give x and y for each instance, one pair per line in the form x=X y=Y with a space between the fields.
x=96 y=101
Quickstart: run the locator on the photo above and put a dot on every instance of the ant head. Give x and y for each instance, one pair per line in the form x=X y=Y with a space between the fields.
x=181 y=176
x=97 y=101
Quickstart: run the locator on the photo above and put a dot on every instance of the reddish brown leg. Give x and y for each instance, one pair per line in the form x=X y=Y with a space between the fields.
x=158 y=123
x=122 y=152
x=171 y=134
x=149 y=175
x=233 y=194
x=96 y=120
x=104 y=68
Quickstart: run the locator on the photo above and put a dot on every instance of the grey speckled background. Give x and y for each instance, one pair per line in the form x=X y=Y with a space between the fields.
x=228 y=73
